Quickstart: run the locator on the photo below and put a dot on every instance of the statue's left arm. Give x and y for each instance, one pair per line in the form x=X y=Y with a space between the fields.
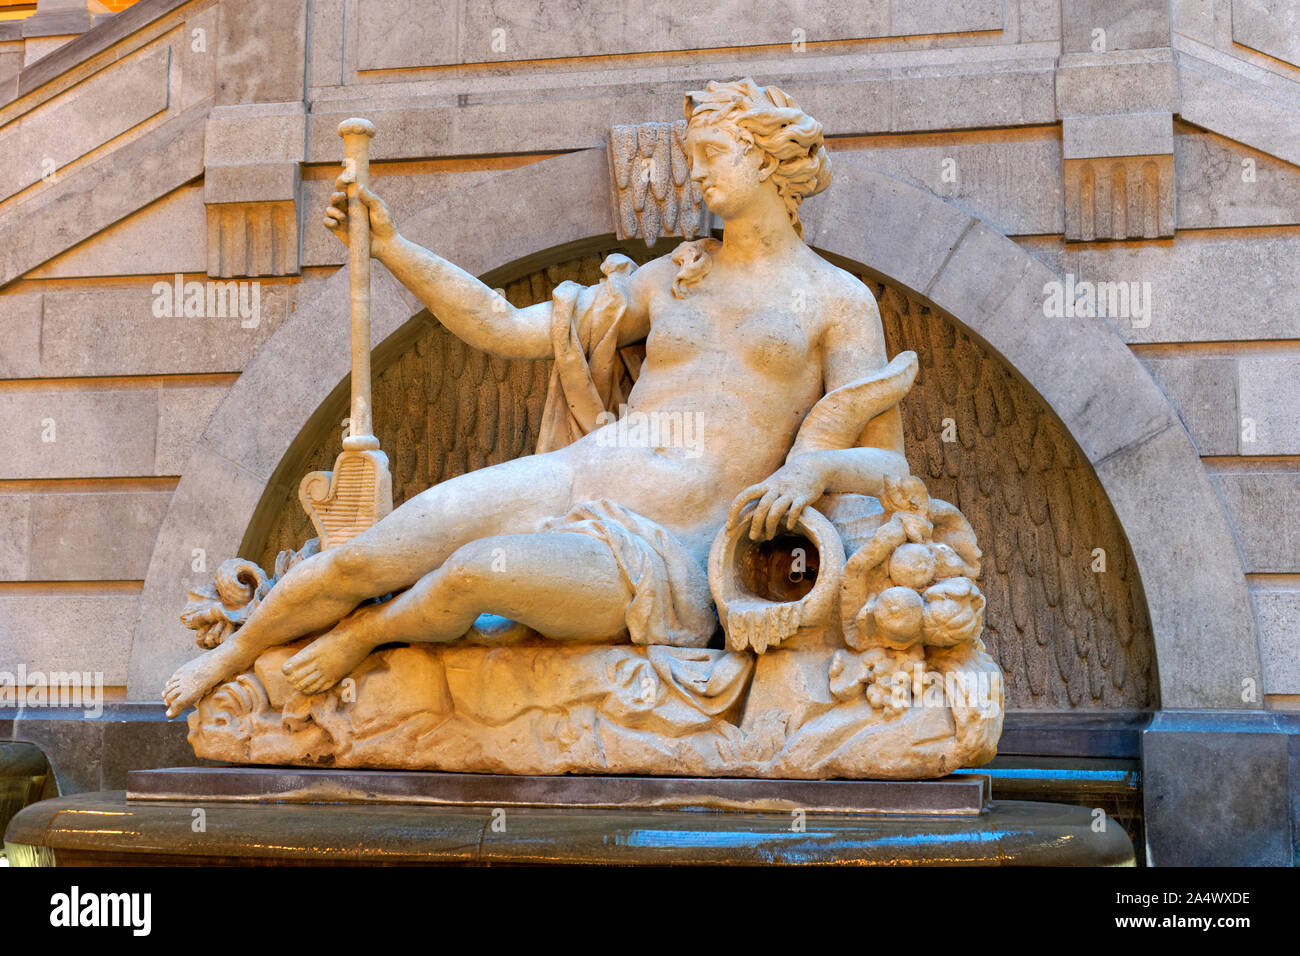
x=853 y=344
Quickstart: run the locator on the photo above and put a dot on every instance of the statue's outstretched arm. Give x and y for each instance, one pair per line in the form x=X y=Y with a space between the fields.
x=474 y=313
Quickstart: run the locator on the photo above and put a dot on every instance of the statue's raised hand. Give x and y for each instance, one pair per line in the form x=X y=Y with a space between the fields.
x=382 y=229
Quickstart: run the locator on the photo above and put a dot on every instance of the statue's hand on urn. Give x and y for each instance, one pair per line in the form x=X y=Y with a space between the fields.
x=783 y=495
x=382 y=230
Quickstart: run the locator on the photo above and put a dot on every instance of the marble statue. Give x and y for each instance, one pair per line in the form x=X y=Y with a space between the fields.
x=716 y=563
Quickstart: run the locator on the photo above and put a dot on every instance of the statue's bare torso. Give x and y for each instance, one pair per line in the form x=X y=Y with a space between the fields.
x=746 y=366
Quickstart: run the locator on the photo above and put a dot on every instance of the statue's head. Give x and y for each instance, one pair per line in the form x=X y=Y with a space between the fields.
x=742 y=138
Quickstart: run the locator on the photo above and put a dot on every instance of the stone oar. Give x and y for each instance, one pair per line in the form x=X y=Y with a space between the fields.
x=359 y=491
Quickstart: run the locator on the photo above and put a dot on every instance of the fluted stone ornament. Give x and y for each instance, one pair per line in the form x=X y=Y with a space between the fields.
x=716 y=562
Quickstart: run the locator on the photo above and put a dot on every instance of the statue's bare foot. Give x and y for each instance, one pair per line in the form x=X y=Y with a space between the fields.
x=188 y=685
x=328 y=659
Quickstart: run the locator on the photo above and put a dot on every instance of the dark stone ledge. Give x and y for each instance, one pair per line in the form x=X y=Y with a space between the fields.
x=1222 y=788
x=69 y=831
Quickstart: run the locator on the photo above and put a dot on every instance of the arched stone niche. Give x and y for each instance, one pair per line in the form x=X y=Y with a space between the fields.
x=1114 y=414
x=1067 y=636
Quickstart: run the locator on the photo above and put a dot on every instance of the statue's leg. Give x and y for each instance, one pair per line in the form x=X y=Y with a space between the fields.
x=394 y=554
x=564 y=585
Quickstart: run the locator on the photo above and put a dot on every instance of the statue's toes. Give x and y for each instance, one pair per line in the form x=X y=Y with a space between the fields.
x=302 y=677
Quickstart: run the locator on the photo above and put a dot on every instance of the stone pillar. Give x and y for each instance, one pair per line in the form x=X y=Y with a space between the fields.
x=250 y=187
x=1220 y=787
x=261 y=51
x=256 y=138
x=1115 y=95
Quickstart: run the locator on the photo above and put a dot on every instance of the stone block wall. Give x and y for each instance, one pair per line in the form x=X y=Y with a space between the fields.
x=1147 y=142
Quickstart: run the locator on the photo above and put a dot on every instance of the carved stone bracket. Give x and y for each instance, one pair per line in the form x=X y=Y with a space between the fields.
x=250 y=239
x=1119 y=197
x=653 y=194
x=1117 y=143
x=252 y=157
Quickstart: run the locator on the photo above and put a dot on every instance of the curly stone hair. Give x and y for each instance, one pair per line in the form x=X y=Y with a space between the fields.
x=771 y=120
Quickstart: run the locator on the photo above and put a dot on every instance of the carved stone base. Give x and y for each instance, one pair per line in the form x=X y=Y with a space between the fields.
x=543 y=708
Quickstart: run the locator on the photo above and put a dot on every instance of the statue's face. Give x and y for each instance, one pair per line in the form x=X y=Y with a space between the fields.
x=727 y=169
